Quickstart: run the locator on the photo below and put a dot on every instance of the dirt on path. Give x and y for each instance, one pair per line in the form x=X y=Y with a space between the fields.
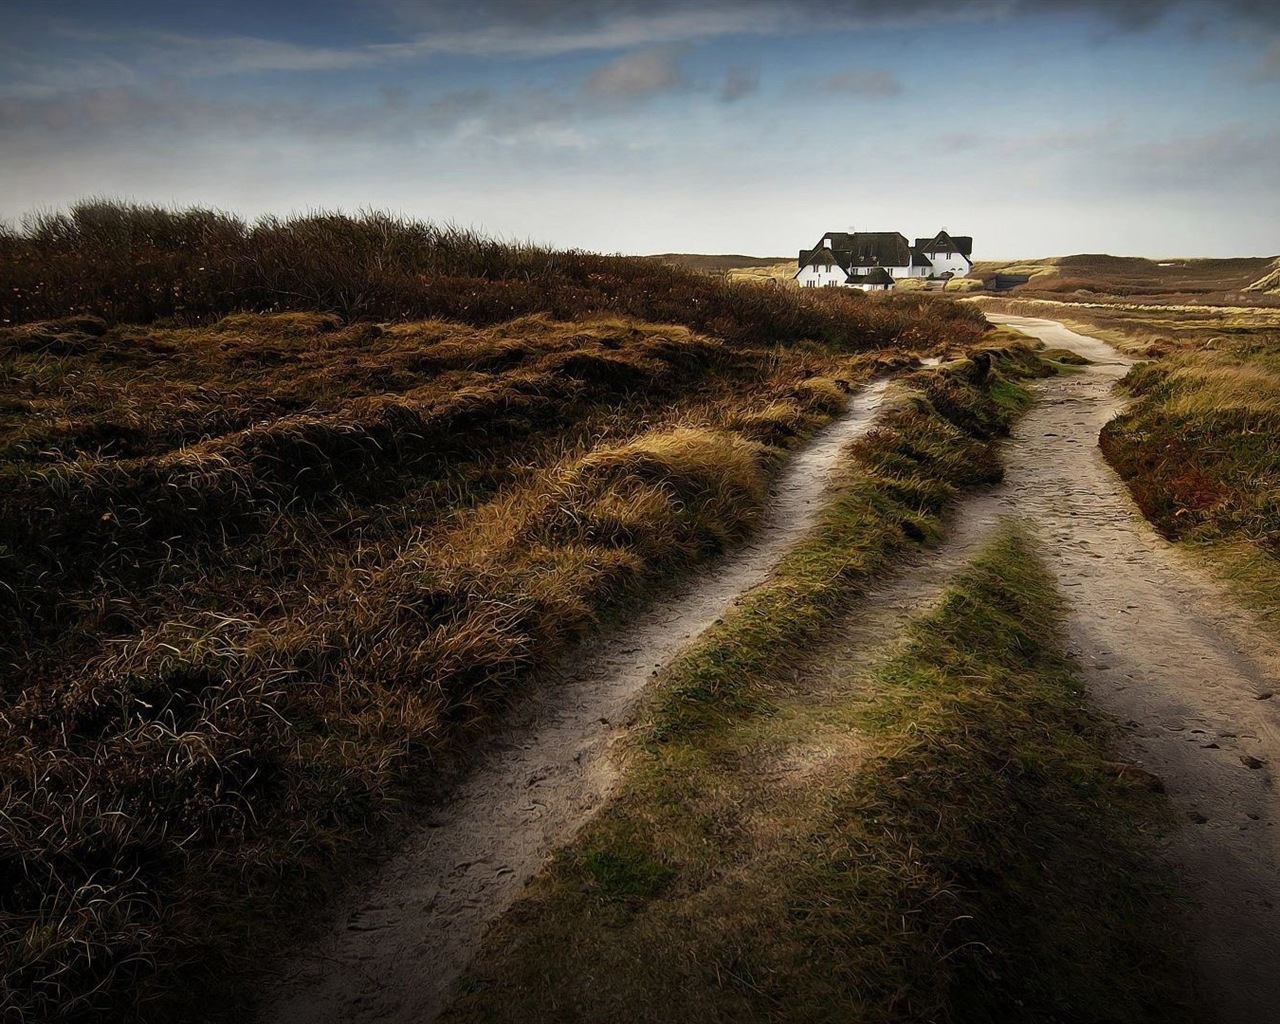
x=1164 y=650
x=1168 y=653
x=402 y=941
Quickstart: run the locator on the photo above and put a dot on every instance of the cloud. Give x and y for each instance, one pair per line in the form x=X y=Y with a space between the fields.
x=112 y=114
x=875 y=83
x=115 y=54
x=740 y=82
x=635 y=76
x=548 y=27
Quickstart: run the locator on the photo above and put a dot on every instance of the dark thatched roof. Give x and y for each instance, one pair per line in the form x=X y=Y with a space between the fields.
x=919 y=259
x=869 y=248
x=943 y=242
x=876 y=275
x=824 y=256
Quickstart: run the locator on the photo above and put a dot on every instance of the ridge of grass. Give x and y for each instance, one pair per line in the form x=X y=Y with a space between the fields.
x=132 y=264
x=1198 y=444
x=949 y=841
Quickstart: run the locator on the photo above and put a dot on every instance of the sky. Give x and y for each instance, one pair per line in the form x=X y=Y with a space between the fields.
x=1039 y=127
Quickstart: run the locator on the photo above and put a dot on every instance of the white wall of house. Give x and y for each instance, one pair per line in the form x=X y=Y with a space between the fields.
x=821 y=275
x=956 y=263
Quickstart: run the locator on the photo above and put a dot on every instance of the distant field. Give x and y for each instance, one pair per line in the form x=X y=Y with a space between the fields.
x=1095 y=277
x=1100 y=277
x=722 y=263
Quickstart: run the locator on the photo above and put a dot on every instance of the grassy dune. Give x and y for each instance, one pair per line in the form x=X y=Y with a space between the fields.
x=1199 y=448
x=288 y=511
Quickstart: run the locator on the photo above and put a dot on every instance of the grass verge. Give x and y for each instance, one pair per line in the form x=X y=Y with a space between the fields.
x=1198 y=447
x=948 y=840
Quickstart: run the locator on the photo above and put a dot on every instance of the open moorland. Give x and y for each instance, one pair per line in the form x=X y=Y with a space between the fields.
x=290 y=510
x=408 y=625
x=1100 y=277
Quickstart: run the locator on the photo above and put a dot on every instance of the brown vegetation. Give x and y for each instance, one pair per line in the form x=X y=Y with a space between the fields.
x=276 y=536
x=1198 y=447
x=1103 y=278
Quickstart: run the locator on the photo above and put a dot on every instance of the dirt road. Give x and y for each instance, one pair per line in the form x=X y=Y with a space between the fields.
x=403 y=941
x=1165 y=650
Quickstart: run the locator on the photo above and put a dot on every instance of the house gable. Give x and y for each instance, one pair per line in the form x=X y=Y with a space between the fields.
x=945 y=243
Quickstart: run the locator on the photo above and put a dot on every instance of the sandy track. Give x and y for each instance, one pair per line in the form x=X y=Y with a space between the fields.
x=1164 y=650
x=403 y=941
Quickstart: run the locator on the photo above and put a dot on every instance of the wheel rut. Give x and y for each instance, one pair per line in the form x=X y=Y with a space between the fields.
x=1164 y=650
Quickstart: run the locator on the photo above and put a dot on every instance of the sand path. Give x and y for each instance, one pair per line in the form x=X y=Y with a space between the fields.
x=1168 y=653
x=1164 y=650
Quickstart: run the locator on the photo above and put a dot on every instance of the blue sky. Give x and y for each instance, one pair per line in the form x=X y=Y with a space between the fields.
x=1040 y=127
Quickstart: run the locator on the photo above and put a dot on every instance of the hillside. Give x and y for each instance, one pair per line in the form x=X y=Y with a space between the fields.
x=708 y=264
x=1269 y=282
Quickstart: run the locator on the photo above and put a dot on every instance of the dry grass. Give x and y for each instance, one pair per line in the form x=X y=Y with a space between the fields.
x=267 y=577
x=131 y=264
x=1198 y=448
x=1268 y=282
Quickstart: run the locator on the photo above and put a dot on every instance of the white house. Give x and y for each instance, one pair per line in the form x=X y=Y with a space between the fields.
x=873 y=260
x=947 y=254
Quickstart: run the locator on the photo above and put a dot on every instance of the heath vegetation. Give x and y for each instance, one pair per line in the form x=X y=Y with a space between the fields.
x=290 y=509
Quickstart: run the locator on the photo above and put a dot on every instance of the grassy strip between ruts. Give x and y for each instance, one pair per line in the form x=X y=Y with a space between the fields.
x=947 y=840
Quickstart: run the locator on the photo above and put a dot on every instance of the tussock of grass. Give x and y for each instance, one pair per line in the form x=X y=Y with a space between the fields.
x=946 y=841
